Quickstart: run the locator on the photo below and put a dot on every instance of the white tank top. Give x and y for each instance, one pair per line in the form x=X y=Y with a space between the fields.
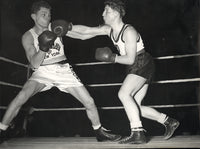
x=120 y=44
x=55 y=54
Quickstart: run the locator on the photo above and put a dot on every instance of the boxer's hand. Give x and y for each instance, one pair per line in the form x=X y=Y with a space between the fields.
x=61 y=27
x=105 y=54
x=46 y=40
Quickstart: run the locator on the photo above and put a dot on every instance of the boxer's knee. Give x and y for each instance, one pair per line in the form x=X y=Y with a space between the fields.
x=123 y=95
x=138 y=101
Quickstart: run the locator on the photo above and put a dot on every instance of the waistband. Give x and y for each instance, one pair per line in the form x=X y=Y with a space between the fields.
x=61 y=62
x=54 y=60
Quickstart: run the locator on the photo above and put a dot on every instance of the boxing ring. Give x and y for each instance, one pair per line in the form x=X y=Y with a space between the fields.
x=180 y=140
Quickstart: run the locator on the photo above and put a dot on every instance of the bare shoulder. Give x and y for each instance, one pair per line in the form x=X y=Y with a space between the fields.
x=27 y=37
x=131 y=29
x=130 y=32
x=27 y=41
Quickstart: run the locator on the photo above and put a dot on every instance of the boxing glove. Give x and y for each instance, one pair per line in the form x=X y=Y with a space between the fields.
x=46 y=40
x=105 y=54
x=61 y=27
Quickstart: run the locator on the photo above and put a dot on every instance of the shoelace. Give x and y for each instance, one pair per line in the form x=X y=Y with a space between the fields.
x=127 y=138
x=132 y=132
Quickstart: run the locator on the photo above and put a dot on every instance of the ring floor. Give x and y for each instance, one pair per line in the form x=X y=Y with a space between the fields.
x=91 y=143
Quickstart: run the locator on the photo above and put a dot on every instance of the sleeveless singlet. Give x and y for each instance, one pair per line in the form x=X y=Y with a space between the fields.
x=55 y=54
x=120 y=44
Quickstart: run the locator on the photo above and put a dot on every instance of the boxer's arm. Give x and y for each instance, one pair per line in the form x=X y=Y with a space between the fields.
x=130 y=38
x=35 y=58
x=76 y=35
x=86 y=32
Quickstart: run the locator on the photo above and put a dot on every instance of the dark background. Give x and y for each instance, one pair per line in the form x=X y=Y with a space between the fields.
x=168 y=27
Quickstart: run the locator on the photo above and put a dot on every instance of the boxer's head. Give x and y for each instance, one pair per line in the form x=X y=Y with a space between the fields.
x=36 y=6
x=41 y=13
x=117 y=5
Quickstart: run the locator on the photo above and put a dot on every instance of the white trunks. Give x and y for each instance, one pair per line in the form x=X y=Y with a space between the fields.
x=61 y=76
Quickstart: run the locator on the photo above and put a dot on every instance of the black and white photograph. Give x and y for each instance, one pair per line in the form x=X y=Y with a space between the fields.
x=99 y=74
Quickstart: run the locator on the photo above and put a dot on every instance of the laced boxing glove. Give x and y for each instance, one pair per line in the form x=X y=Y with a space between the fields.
x=46 y=40
x=105 y=54
x=61 y=27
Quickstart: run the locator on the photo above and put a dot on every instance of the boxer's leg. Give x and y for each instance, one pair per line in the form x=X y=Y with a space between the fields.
x=151 y=113
x=29 y=89
x=84 y=97
x=131 y=85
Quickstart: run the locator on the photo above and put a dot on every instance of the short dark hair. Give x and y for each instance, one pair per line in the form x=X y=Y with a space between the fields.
x=38 y=4
x=117 y=5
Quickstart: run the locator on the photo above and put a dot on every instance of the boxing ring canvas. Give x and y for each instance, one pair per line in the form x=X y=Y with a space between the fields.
x=53 y=119
x=91 y=143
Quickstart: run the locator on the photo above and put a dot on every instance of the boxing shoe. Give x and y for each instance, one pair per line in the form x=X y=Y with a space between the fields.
x=103 y=134
x=9 y=132
x=136 y=137
x=2 y=136
x=170 y=126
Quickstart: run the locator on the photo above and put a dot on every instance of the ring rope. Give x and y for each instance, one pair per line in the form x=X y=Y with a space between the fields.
x=159 y=82
x=159 y=58
x=109 y=108
x=100 y=63
x=10 y=84
x=112 y=84
x=179 y=80
x=118 y=84
x=92 y=63
x=177 y=56
x=14 y=62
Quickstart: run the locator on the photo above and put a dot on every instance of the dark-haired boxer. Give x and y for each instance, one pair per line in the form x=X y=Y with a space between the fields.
x=45 y=53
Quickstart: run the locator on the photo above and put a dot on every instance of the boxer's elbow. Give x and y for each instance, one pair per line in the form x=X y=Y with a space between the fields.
x=130 y=61
x=34 y=65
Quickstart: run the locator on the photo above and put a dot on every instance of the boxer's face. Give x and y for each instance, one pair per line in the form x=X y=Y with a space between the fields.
x=43 y=17
x=108 y=15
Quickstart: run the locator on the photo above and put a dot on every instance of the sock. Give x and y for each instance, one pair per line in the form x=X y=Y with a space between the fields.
x=3 y=126
x=163 y=117
x=136 y=124
x=96 y=127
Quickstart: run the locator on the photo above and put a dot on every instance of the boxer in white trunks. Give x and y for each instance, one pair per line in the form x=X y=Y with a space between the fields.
x=45 y=53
